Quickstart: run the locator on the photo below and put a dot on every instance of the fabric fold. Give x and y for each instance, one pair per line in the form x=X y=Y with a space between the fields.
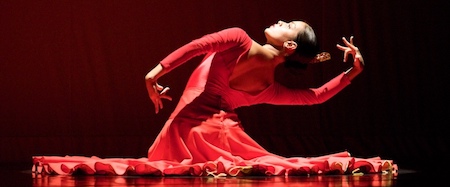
x=300 y=166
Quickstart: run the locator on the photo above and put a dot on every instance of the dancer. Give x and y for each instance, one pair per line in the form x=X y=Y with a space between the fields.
x=204 y=136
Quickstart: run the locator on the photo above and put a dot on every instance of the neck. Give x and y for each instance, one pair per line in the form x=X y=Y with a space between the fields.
x=273 y=53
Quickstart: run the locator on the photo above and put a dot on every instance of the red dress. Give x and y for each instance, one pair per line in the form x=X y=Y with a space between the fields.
x=203 y=136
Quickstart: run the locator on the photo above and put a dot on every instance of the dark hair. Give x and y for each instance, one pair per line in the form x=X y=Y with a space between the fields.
x=307 y=45
x=306 y=51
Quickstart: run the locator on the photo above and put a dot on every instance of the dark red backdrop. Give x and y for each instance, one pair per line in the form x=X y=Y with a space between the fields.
x=72 y=76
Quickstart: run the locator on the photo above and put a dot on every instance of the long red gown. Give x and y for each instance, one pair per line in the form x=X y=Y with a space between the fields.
x=203 y=136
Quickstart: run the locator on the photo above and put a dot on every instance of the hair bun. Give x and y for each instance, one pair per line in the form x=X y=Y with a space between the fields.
x=321 y=57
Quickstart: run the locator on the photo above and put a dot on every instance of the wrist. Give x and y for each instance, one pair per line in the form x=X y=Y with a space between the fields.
x=155 y=73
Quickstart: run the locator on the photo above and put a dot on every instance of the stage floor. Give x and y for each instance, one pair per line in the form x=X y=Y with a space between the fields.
x=23 y=177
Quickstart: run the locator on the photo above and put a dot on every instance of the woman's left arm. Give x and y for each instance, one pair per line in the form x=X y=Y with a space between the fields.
x=281 y=95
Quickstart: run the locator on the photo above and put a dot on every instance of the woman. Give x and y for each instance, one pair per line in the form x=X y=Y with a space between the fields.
x=203 y=135
x=237 y=71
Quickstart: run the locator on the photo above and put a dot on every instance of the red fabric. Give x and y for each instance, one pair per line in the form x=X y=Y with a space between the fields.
x=204 y=136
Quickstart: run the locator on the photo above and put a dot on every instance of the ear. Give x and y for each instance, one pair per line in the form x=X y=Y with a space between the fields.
x=289 y=46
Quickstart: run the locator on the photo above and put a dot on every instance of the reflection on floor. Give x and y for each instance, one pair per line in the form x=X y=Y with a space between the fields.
x=19 y=178
x=365 y=180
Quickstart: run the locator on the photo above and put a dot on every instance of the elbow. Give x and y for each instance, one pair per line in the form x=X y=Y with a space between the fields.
x=319 y=101
x=321 y=96
x=315 y=100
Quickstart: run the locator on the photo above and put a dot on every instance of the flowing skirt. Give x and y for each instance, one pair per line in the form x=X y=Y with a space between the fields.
x=216 y=147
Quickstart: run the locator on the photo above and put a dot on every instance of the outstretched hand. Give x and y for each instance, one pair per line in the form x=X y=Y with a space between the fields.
x=156 y=93
x=351 y=49
x=358 y=61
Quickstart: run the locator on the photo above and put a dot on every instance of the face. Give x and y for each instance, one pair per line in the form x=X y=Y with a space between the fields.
x=282 y=31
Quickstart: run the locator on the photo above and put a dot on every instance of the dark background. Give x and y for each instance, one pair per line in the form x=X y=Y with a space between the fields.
x=72 y=77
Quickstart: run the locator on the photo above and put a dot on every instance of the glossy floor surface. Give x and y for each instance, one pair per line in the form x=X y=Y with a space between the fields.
x=24 y=177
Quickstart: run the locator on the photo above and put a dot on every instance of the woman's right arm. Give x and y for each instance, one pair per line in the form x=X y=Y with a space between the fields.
x=215 y=42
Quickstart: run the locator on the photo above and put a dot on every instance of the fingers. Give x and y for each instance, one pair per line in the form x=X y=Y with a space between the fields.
x=163 y=95
x=158 y=87
x=349 y=48
x=349 y=44
x=157 y=99
x=346 y=51
x=156 y=108
x=163 y=91
x=166 y=97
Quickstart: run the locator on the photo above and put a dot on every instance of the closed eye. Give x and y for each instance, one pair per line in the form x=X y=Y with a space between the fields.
x=291 y=25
